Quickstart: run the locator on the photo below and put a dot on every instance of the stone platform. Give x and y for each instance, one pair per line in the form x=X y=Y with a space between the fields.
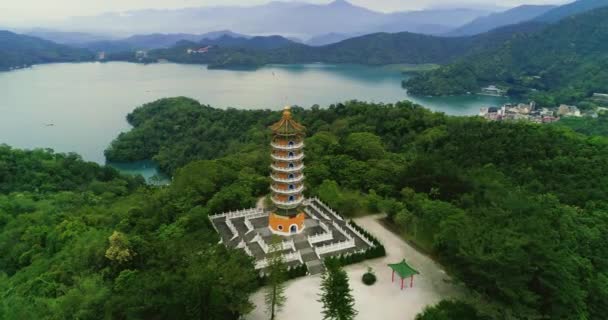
x=326 y=234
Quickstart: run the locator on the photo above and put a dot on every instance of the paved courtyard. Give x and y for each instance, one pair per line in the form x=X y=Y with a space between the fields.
x=384 y=300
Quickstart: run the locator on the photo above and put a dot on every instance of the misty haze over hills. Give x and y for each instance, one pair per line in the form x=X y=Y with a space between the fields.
x=296 y=19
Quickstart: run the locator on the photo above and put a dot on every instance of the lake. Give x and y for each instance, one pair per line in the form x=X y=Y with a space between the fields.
x=81 y=107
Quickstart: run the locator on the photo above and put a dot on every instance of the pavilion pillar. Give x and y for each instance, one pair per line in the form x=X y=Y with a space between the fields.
x=401 y=283
x=412 y=282
x=393 y=276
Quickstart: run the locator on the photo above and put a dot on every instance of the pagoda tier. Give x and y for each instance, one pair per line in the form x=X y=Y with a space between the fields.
x=287 y=176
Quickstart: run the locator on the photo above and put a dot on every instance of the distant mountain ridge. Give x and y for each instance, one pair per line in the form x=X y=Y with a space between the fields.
x=297 y=19
x=18 y=50
x=570 y=9
x=567 y=60
x=372 y=49
x=495 y=20
x=155 y=41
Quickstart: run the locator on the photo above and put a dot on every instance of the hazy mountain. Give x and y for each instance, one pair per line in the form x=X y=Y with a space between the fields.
x=64 y=37
x=499 y=19
x=567 y=59
x=329 y=38
x=436 y=21
x=18 y=50
x=156 y=41
x=570 y=9
x=372 y=49
x=257 y=43
x=285 y=18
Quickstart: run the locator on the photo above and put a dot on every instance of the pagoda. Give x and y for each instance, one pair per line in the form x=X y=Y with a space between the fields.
x=287 y=215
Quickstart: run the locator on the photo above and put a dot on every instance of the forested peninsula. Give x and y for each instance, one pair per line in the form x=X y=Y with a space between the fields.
x=491 y=200
x=517 y=212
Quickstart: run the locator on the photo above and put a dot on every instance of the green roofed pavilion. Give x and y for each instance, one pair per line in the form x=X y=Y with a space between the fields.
x=404 y=270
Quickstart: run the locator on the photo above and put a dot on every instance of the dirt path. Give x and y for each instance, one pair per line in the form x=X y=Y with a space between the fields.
x=384 y=300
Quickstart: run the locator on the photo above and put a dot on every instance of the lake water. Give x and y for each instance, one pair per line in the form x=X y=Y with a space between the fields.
x=82 y=107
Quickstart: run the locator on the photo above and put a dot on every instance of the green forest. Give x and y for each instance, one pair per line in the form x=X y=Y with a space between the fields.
x=566 y=62
x=19 y=50
x=516 y=212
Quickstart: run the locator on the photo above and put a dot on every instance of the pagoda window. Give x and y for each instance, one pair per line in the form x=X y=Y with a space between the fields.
x=291 y=154
x=291 y=199
x=291 y=176
x=291 y=143
x=291 y=165
x=291 y=187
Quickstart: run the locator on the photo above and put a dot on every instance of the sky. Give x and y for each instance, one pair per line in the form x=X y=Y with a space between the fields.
x=33 y=11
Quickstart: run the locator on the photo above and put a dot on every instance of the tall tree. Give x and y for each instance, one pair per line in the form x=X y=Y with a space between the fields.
x=277 y=274
x=338 y=302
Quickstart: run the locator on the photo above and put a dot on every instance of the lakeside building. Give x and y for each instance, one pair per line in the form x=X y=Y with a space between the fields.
x=520 y=112
x=568 y=111
x=601 y=97
x=309 y=229
x=493 y=90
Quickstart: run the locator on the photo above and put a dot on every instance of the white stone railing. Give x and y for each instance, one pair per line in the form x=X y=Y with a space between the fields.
x=360 y=235
x=288 y=147
x=288 y=257
x=258 y=239
x=319 y=211
x=294 y=180
x=330 y=210
x=324 y=226
x=287 y=169
x=232 y=228
x=237 y=214
x=248 y=251
x=285 y=245
x=249 y=225
x=342 y=231
x=293 y=204
x=288 y=191
x=333 y=247
x=292 y=158
x=326 y=236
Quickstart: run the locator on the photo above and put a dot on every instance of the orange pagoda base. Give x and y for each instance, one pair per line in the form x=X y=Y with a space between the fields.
x=286 y=225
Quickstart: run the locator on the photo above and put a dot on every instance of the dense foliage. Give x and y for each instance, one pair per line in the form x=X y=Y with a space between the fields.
x=109 y=250
x=336 y=294
x=450 y=310
x=587 y=125
x=19 y=50
x=517 y=211
x=373 y=49
x=45 y=171
x=567 y=60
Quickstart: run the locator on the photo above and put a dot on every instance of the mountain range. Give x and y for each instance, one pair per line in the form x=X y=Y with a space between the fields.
x=566 y=61
x=154 y=41
x=297 y=19
x=499 y=19
x=372 y=49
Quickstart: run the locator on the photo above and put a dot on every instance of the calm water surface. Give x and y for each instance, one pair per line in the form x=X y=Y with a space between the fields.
x=82 y=107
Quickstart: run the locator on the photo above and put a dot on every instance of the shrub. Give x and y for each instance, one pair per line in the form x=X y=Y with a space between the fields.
x=369 y=278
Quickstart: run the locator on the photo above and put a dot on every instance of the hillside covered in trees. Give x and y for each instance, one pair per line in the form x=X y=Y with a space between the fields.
x=566 y=61
x=80 y=241
x=373 y=49
x=516 y=211
x=19 y=50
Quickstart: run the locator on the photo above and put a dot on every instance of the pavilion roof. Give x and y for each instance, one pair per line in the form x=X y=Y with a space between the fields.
x=403 y=269
x=287 y=125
